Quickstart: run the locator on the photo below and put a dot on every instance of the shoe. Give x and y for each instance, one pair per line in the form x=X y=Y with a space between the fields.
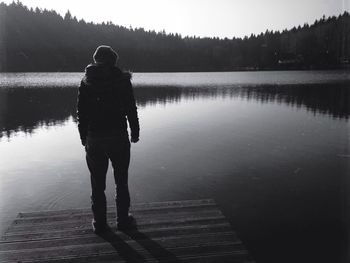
x=99 y=229
x=126 y=223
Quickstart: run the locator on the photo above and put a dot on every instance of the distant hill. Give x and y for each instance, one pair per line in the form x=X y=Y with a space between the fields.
x=42 y=40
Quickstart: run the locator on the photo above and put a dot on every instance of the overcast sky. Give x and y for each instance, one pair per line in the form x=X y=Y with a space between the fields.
x=222 y=18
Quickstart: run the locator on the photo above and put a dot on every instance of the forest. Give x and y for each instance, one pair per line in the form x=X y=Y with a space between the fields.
x=36 y=40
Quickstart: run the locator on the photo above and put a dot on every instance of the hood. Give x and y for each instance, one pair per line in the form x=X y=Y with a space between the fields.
x=104 y=75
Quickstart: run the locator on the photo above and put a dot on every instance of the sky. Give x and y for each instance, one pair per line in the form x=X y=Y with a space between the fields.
x=203 y=18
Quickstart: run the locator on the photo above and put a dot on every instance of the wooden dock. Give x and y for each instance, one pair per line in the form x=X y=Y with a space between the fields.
x=179 y=231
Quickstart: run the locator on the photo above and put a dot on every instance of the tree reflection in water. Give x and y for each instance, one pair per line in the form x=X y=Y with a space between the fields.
x=25 y=109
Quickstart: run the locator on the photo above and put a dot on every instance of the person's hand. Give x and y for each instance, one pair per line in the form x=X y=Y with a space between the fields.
x=134 y=140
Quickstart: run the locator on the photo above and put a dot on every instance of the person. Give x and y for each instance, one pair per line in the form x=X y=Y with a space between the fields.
x=105 y=104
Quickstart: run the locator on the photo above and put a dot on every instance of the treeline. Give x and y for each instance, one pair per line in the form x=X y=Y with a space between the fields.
x=42 y=40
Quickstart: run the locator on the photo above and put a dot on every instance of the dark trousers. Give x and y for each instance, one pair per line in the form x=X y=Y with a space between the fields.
x=99 y=150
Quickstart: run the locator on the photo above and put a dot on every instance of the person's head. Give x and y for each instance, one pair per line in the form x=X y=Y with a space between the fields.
x=105 y=55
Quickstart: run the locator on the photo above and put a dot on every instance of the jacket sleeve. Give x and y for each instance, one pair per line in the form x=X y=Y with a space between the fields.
x=82 y=114
x=131 y=112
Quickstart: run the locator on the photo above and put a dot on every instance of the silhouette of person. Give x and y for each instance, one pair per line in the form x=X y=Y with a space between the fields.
x=104 y=106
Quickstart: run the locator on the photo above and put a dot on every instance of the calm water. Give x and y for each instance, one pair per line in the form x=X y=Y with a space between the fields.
x=272 y=148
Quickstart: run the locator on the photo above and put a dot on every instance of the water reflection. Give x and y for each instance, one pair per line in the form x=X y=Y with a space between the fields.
x=25 y=109
x=330 y=99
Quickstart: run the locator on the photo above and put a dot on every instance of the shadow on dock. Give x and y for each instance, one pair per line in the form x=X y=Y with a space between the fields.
x=128 y=254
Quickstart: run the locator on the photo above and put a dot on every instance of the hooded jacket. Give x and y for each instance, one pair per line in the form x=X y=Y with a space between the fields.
x=106 y=102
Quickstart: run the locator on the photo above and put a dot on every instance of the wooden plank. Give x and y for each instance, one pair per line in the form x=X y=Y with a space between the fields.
x=140 y=213
x=152 y=233
x=135 y=207
x=222 y=257
x=90 y=239
x=142 y=224
x=17 y=249
x=106 y=248
x=141 y=220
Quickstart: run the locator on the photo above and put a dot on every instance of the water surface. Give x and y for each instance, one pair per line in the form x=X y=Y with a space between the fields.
x=272 y=148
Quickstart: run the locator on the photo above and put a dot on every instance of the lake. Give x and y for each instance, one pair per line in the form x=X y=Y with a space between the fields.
x=272 y=148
